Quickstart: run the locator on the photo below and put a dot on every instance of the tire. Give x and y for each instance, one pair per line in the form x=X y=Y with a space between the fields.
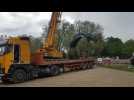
x=61 y=69
x=19 y=75
x=54 y=70
x=29 y=76
x=83 y=66
x=90 y=66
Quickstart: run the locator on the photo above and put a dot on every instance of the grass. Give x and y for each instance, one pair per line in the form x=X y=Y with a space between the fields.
x=124 y=67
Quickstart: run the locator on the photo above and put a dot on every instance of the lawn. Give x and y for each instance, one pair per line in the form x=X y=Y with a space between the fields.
x=124 y=67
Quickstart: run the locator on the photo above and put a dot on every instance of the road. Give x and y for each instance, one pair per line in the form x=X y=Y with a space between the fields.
x=97 y=77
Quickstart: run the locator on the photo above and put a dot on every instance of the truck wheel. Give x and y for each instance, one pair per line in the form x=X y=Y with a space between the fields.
x=54 y=70
x=19 y=75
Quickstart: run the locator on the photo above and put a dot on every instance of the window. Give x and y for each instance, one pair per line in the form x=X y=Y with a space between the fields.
x=16 y=53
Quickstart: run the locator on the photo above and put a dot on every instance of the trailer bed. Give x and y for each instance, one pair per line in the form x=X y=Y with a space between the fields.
x=67 y=61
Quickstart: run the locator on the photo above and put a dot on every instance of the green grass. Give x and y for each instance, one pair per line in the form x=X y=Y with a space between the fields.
x=123 y=67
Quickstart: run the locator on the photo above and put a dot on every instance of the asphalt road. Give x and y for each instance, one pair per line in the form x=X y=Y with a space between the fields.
x=97 y=77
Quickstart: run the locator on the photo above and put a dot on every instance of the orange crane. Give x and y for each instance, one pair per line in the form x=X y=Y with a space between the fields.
x=49 y=49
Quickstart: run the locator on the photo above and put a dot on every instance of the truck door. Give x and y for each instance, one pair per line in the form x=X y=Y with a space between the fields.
x=16 y=53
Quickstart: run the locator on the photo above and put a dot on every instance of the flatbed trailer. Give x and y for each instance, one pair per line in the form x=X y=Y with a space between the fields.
x=56 y=67
x=16 y=64
x=49 y=68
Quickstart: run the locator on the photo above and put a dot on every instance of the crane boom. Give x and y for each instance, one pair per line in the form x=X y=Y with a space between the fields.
x=49 y=49
x=50 y=40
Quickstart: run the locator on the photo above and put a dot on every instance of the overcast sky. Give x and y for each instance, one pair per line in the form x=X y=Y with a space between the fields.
x=117 y=24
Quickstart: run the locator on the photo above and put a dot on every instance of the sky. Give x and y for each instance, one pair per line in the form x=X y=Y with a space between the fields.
x=116 y=24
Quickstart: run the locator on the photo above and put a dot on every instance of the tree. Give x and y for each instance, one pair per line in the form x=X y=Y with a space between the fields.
x=113 y=47
x=128 y=48
x=65 y=34
x=35 y=43
x=94 y=32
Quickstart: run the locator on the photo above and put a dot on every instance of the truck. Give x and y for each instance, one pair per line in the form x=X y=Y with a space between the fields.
x=18 y=64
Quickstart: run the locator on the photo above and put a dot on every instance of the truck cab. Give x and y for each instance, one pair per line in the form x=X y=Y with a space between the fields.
x=13 y=51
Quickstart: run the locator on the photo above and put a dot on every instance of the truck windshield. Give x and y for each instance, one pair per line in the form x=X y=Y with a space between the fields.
x=4 y=49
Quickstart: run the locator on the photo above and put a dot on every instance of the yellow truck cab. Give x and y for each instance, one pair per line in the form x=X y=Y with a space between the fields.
x=16 y=61
x=14 y=54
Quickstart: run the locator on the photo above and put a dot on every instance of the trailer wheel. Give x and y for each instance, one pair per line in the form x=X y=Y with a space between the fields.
x=29 y=76
x=83 y=66
x=54 y=70
x=90 y=66
x=61 y=69
x=19 y=75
